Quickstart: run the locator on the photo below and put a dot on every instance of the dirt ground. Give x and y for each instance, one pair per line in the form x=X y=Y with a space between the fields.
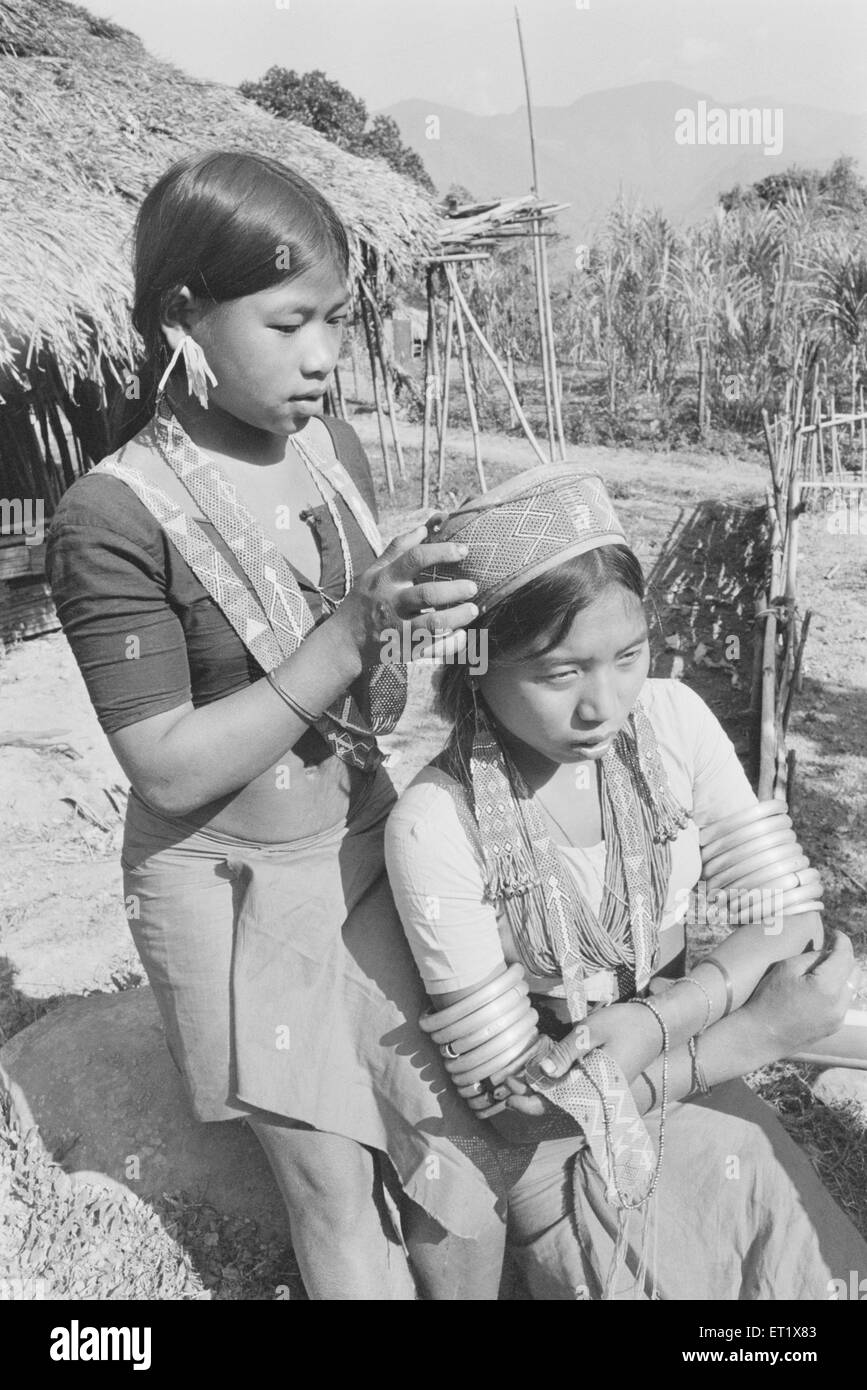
x=693 y=522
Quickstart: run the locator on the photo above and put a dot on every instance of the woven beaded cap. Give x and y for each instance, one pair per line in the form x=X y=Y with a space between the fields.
x=526 y=526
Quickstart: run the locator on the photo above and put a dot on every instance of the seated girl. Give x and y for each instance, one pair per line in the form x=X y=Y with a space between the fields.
x=542 y=867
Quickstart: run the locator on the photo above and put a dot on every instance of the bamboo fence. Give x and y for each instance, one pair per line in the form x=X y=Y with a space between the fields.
x=804 y=451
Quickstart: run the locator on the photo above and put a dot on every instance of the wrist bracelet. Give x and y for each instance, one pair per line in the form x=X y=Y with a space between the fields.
x=487 y=1052
x=489 y=1014
x=513 y=1011
x=435 y=1021
x=713 y=843
x=287 y=699
x=730 y=989
x=803 y=907
x=698 y=1077
x=691 y=980
x=652 y=1089
x=760 y=810
x=763 y=868
x=720 y=861
x=521 y=1040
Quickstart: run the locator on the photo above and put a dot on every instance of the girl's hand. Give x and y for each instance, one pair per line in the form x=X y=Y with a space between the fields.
x=629 y=1034
x=385 y=596
x=805 y=997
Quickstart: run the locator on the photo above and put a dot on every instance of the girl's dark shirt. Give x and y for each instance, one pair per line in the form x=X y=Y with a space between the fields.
x=115 y=575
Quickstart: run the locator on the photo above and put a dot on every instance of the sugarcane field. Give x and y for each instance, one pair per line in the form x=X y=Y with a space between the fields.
x=539 y=297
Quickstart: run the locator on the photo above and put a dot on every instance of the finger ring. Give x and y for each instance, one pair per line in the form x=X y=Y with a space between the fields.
x=476 y=1088
x=448 y=1051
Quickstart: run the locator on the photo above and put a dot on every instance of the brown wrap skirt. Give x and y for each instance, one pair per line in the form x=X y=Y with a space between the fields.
x=285 y=984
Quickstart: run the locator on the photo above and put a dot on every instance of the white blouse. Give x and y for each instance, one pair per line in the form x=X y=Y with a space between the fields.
x=436 y=868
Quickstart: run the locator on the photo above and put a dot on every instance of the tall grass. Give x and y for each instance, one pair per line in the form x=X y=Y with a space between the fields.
x=750 y=284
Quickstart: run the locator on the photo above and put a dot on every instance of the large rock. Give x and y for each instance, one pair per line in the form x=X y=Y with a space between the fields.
x=843 y=1086
x=97 y=1078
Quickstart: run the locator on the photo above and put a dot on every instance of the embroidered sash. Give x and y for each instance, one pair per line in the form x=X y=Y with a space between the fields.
x=272 y=622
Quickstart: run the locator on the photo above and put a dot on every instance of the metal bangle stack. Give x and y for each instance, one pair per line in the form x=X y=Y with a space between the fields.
x=757 y=849
x=486 y=1032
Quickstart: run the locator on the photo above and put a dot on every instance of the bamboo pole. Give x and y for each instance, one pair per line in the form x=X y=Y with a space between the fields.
x=498 y=366
x=792 y=529
x=543 y=344
x=773 y=451
x=444 y=412
x=780 y=764
x=537 y=242
x=471 y=404
x=756 y=685
x=428 y=389
x=795 y=682
x=702 y=389
x=510 y=369
x=389 y=477
x=767 y=736
x=379 y=337
x=821 y=442
x=529 y=104
x=353 y=348
x=437 y=375
x=462 y=256
x=832 y=422
x=768 y=745
x=835 y=450
x=552 y=349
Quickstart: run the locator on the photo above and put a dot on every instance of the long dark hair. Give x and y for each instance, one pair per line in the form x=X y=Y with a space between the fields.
x=225 y=224
x=538 y=616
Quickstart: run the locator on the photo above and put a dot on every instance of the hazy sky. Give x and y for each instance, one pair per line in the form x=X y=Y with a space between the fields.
x=464 y=52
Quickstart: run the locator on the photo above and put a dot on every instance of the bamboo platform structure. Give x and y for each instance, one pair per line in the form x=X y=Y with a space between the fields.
x=470 y=233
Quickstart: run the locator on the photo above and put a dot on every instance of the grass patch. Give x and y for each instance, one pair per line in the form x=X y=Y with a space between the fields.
x=834 y=1138
x=67 y=1240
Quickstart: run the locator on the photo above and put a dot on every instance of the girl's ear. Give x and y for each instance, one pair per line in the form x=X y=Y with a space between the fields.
x=175 y=314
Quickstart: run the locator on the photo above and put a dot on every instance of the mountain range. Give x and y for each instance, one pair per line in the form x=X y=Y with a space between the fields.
x=619 y=140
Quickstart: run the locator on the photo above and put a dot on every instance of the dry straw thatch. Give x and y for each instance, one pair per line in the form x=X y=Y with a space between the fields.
x=88 y=120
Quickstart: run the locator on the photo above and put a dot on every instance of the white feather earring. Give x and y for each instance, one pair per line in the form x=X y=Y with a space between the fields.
x=196 y=367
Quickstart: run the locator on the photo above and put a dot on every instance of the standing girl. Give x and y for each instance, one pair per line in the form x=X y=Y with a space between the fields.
x=220 y=581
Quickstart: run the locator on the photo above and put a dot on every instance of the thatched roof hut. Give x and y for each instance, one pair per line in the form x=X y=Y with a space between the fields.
x=88 y=121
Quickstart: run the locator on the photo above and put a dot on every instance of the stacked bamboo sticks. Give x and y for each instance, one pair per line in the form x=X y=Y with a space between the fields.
x=463 y=327
x=379 y=358
x=468 y=233
x=782 y=640
x=804 y=450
